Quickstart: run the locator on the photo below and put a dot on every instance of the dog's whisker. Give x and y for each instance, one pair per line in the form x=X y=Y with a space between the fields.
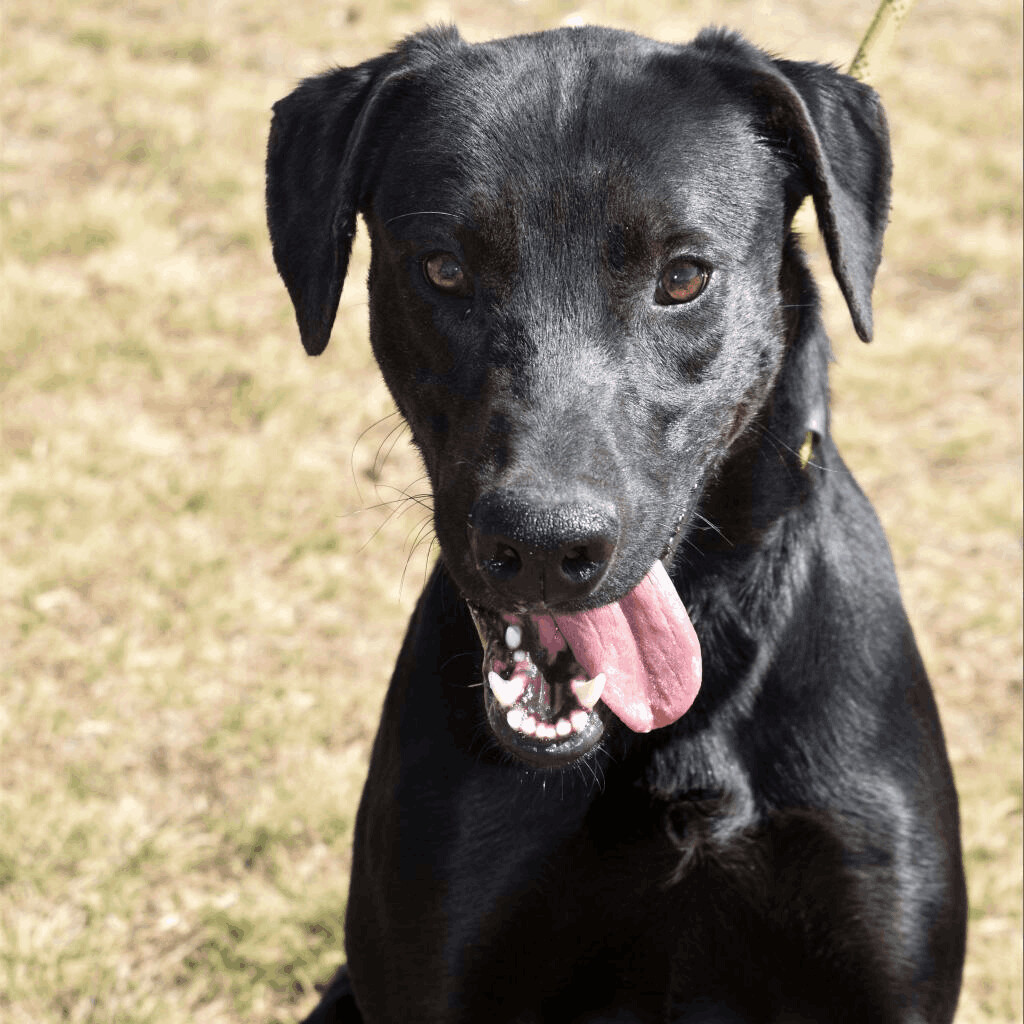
x=423 y=525
x=421 y=500
x=782 y=446
x=425 y=534
x=775 y=439
x=704 y=519
x=406 y=499
x=426 y=559
x=598 y=777
x=691 y=543
x=455 y=657
x=355 y=446
x=420 y=213
x=428 y=494
x=394 y=435
x=399 y=506
x=424 y=543
x=419 y=529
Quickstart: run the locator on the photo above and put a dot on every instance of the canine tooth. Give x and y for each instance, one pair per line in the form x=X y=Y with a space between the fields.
x=563 y=727
x=588 y=693
x=507 y=691
x=515 y=717
x=513 y=637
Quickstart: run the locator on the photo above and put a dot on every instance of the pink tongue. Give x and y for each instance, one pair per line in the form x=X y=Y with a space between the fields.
x=647 y=649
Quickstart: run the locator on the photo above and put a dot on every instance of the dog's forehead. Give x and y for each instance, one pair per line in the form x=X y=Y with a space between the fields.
x=608 y=112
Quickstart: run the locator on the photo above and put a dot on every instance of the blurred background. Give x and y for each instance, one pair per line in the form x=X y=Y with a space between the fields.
x=207 y=553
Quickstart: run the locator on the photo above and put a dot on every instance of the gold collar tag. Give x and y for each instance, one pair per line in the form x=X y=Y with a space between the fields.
x=806 y=449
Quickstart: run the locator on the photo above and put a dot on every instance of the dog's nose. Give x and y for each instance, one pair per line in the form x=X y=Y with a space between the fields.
x=534 y=553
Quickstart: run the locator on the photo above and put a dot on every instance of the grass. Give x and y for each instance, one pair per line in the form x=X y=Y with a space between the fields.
x=200 y=599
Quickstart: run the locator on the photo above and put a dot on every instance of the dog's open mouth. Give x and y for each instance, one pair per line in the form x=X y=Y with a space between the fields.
x=554 y=680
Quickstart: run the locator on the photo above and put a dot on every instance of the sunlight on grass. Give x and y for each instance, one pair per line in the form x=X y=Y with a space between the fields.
x=208 y=548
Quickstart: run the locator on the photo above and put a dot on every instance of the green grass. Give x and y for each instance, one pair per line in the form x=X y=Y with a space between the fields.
x=201 y=592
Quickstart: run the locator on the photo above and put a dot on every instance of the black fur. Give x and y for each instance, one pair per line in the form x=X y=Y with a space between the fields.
x=789 y=849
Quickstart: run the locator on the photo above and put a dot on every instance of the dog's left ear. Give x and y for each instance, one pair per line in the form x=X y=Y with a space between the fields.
x=836 y=128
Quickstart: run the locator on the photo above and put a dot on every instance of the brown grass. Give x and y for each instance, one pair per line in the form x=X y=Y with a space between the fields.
x=196 y=620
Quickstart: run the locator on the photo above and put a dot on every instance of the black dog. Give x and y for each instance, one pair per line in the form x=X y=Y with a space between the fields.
x=588 y=304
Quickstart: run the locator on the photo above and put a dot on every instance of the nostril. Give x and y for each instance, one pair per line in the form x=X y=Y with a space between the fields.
x=577 y=565
x=581 y=562
x=503 y=563
x=495 y=555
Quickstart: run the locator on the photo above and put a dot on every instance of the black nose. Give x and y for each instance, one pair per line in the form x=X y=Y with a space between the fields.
x=535 y=553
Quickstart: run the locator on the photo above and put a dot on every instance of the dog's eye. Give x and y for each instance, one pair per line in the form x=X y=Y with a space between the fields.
x=681 y=281
x=446 y=274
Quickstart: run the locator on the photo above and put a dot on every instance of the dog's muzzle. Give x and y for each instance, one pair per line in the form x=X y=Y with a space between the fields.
x=554 y=681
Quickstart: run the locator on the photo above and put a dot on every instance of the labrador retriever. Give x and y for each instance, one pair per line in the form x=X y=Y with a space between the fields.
x=659 y=745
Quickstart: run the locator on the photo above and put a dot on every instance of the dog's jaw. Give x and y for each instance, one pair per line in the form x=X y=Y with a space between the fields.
x=555 y=680
x=540 y=704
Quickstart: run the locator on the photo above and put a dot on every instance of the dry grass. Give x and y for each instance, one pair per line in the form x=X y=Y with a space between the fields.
x=196 y=631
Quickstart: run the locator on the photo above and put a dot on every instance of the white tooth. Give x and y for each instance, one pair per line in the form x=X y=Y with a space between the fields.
x=515 y=717
x=579 y=719
x=513 y=637
x=589 y=693
x=563 y=727
x=529 y=725
x=519 y=655
x=507 y=691
x=545 y=731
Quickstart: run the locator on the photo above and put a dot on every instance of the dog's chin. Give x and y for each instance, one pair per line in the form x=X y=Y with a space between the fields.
x=540 y=704
x=546 y=753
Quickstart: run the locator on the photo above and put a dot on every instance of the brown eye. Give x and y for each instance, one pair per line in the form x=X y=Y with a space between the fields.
x=681 y=281
x=446 y=274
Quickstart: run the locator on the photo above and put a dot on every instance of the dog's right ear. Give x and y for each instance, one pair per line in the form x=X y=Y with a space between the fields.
x=316 y=158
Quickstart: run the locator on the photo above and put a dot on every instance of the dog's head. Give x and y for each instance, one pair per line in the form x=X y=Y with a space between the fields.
x=578 y=300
